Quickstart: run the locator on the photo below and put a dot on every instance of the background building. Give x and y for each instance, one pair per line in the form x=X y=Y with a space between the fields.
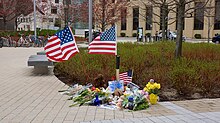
x=199 y=22
x=50 y=19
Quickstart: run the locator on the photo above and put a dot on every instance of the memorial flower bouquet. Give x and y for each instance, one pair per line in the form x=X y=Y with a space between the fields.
x=153 y=89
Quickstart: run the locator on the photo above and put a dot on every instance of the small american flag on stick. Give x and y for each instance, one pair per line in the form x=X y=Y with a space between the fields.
x=126 y=76
x=61 y=46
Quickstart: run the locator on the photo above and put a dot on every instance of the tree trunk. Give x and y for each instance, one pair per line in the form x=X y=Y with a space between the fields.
x=163 y=22
x=208 y=35
x=5 y=23
x=103 y=28
x=180 y=20
x=16 y=24
x=103 y=15
x=209 y=28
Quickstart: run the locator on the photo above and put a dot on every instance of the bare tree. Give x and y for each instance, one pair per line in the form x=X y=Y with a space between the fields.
x=11 y=9
x=108 y=12
x=182 y=8
x=165 y=7
x=209 y=13
x=185 y=9
x=80 y=13
x=74 y=11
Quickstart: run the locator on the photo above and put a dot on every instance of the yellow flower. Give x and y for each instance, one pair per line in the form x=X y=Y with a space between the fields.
x=157 y=85
x=152 y=86
x=97 y=90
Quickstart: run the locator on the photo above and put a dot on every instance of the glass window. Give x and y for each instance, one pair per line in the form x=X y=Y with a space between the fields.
x=57 y=22
x=135 y=18
x=44 y=19
x=67 y=2
x=123 y=19
x=53 y=10
x=50 y=19
x=217 y=15
x=199 y=16
x=149 y=14
x=28 y=27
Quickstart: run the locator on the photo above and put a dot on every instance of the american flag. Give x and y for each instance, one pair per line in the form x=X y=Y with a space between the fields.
x=126 y=76
x=61 y=46
x=105 y=43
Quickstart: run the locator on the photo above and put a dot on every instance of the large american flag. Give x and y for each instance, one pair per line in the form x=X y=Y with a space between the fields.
x=61 y=46
x=126 y=76
x=105 y=43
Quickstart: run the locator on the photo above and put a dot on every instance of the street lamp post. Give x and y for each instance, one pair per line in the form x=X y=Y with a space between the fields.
x=90 y=20
x=35 y=32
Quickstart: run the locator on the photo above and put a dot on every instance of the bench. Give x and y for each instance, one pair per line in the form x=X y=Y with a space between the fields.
x=41 y=53
x=40 y=63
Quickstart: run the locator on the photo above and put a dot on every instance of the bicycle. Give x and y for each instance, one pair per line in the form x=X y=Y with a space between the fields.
x=7 y=41
x=22 y=42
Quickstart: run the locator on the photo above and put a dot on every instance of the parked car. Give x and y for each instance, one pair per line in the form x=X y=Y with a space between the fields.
x=94 y=34
x=216 y=39
x=172 y=36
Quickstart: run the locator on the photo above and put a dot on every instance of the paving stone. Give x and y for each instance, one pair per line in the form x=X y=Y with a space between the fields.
x=180 y=121
x=65 y=121
x=126 y=121
x=107 y=117
x=89 y=118
x=209 y=121
x=136 y=120
x=116 y=121
x=155 y=119
x=27 y=97
x=107 y=121
x=146 y=120
x=96 y=122
x=165 y=119
x=58 y=120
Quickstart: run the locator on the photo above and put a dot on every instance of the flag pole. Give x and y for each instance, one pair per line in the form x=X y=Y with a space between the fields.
x=117 y=67
x=116 y=55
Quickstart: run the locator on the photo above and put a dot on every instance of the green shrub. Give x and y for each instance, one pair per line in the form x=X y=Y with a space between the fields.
x=26 y=33
x=198 y=36
x=45 y=32
x=122 y=34
x=197 y=71
x=183 y=76
x=134 y=35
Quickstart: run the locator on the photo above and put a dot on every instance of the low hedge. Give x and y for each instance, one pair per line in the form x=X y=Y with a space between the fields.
x=197 y=72
x=43 y=32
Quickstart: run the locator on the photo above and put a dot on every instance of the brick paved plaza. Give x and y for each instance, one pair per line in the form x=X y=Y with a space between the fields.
x=27 y=97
